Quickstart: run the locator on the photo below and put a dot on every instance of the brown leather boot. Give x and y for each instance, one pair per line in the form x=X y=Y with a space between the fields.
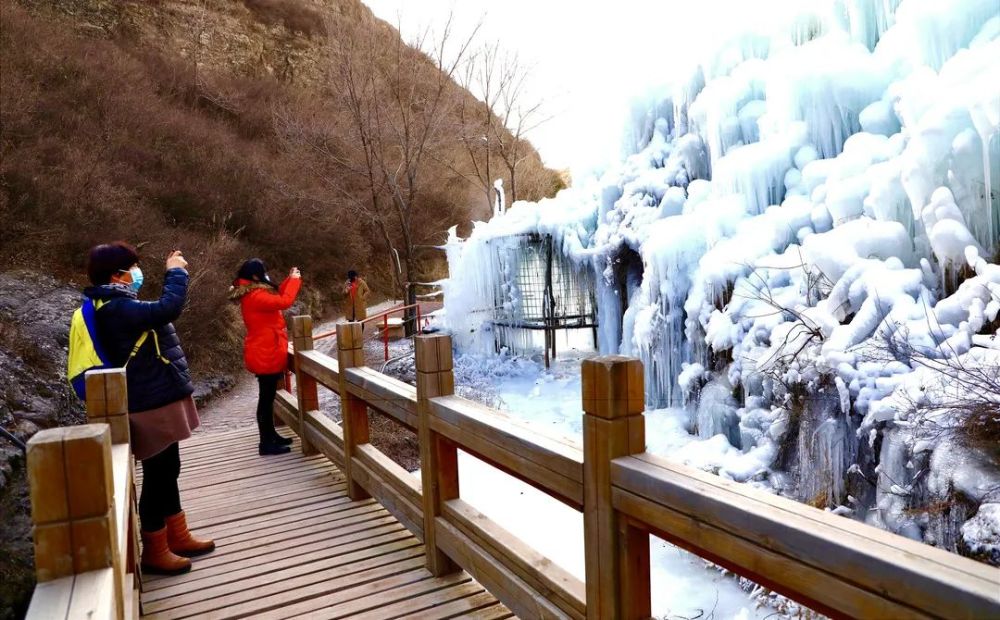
x=157 y=558
x=182 y=542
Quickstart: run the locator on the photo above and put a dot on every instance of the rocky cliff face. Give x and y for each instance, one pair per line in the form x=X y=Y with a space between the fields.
x=286 y=40
x=34 y=333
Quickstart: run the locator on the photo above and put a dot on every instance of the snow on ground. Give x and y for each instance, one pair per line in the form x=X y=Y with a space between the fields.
x=683 y=585
x=804 y=223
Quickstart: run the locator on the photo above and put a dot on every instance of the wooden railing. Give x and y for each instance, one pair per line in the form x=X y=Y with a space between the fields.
x=832 y=564
x=82 y=488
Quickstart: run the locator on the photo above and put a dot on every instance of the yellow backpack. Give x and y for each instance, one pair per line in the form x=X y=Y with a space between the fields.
x=85 y=353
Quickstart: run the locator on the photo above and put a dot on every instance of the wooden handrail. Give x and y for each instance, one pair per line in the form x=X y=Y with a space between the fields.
x=85 y=531
x=835 y=565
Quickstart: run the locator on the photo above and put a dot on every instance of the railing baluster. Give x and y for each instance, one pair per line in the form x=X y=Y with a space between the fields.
x=306 y=388
x=438 y=456
x=107 y=401
x=353 y=410
x=72 y=504
x=617 y=555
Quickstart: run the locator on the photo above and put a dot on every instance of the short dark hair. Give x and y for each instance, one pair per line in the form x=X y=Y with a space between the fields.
x=107 y=259
x=352 y=274
x=254 y=267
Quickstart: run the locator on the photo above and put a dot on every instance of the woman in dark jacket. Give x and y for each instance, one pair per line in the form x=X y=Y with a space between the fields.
x=265 y=350
x=140 y=336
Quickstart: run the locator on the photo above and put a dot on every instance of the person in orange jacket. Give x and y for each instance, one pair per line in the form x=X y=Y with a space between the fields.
x=265 y=350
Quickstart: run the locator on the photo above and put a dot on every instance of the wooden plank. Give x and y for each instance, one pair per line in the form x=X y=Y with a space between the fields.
x=493 y=612
x=205 y=579
x=408 y=513
x=438 y=455
x=898 y=569
x=286 y=407
x=537 y=571
x=306 y=524
x=612 y=386
x=47 y=477
x=554 y=453
x=94 y=596
x=605 y=439
x=89 y=479
x=329 y=479
x=53 y=551
x=275 y=589
x=613 y=426
x=320 y=366
x=350 y=600
x=500 y=581
x=203 y=575
x=321 y=482
x=252 y=528
x=236 y=515
x=349 y=523
x=295 y=544
x=262 y=473
x=550 y=482
x=132 y=604
x=757 y=563
x=634 y=569
x=458 y=608
x=94 y=545
x=423 y=602
x=202 y=472
x=402 y=482
x=389 y=396
x=121 y=462
x=50 y=601
x=320 y=438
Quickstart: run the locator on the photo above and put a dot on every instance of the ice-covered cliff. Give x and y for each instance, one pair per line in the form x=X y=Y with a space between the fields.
x=802 y=246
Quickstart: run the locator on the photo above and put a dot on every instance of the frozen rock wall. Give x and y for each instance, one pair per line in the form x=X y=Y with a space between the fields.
x=811 y=219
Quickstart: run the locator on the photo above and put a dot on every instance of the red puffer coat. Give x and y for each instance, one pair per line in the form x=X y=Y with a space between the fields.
x=265 y=350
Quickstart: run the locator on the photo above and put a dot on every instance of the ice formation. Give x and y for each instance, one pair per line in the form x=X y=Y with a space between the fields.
x=809 y=224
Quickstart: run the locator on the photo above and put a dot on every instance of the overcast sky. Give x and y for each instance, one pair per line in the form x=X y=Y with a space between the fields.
x=592 y=58
x=588 y=59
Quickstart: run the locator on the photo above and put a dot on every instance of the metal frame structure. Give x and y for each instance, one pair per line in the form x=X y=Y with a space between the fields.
x=540 y=289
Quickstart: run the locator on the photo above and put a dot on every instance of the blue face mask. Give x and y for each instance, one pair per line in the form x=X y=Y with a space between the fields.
x=136 y=274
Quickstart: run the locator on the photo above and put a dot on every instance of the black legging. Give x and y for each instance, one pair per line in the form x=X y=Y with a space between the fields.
x=265 y=405
x=160 y=497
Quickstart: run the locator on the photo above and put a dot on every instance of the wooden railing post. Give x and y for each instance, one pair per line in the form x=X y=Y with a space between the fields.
x=353 y=410
x=107 y=401
x=617 y=554
x=438 y=456
x=72 y=504
x=306 y=388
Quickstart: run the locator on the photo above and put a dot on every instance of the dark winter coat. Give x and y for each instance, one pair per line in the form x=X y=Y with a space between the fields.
x=154 y=380
x=265 y=350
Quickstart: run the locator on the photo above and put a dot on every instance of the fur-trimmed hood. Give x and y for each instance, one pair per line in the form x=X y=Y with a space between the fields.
x=242 y=287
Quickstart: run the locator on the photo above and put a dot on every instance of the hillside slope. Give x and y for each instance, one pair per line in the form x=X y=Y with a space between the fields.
x=154 y=122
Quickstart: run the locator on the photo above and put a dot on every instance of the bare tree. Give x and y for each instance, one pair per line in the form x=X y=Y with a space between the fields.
x=495 y=125
x=379 y=152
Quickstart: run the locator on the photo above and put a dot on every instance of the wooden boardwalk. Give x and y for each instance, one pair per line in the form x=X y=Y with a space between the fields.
x=291 y=544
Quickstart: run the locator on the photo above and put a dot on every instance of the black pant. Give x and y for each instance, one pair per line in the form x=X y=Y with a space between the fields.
x=268 y=385
x=160 y=497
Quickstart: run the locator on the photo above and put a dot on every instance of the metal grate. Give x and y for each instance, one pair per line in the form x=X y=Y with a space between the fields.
x=539 y=289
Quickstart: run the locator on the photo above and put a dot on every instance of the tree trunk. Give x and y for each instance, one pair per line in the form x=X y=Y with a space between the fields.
x=410 y=314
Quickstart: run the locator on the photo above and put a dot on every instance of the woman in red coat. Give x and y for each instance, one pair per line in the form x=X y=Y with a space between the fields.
x=265 y=351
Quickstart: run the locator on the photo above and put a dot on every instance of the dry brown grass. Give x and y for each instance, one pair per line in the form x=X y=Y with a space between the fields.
x=292 y=15
x=99 y=144
x=105 y=136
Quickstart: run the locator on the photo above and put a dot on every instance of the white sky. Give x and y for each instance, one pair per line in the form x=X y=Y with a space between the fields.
x=592 y=58
x=585 y=58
